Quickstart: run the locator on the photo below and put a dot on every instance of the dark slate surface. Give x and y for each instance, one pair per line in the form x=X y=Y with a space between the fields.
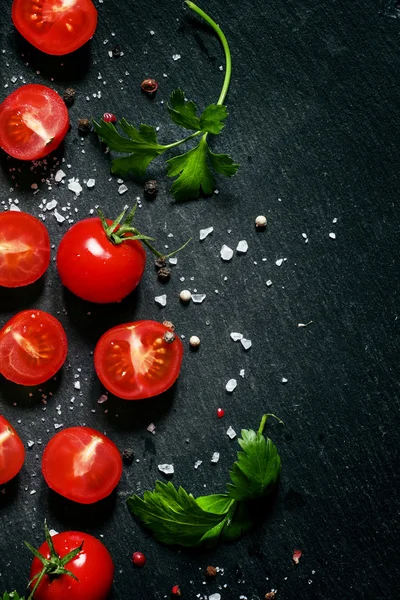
x=314 y=122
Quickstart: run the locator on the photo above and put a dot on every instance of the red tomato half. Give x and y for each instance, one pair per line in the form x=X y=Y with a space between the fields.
x=12 y=451
x=33 y=122
x=33 y=347
x=94 y=268
x=82 y=464
x=133 y=361
x=24 y=249
x=55 y=26
x=93 y=568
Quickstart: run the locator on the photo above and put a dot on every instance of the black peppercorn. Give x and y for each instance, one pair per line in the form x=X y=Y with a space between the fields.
x=160 y=263
x=164 y=274
x=127 y=456
x=84 y=126
x=117 y=51
x=69 y=96
x=150 y=189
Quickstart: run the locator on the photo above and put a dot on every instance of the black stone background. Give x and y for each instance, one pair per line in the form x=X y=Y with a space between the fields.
x=314 y=123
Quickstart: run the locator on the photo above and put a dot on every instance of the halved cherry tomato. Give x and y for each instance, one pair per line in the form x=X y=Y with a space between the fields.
x=12 y=451
x=24 y=249
x=134 y=360
x=93 y=569
x=33 y=122
x=94 y=268
x=55 y=26
x=82 y=464
x=33 y=347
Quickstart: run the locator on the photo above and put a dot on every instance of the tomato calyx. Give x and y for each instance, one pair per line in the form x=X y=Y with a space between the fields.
x=122 y=230
x=53 y=566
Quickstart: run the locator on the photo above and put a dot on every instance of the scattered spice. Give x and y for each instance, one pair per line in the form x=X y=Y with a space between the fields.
x=296 y=556
x=69 y=96
x=270 y=595
x=169 y=337
x=84 y=126
x=149 y=86
x=127 y=456
x=117 y=51
x=194 y=341
x=109 y=117
x=185 y=295
x=176 y=591
x=211 y=571
x=261 y=222
x=160 y=263
x=164 y=274
x=150 y=189
x=220 y=413
x=138 y=559
x=169 y=325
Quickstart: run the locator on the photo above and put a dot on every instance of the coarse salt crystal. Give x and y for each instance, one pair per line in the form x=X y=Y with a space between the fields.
x=332 y=235
x=151 y=428
x=58 y=425
x=166 y=469
x=59 y=218
x=30 y=443
x=242 y=247
x=214 y=597
x=14 y=207
x=103 y=398
x=241 y=372
x=122 y=189
x=231 y=433
x=268 y=283
x=215 y=457
x=59 y=176
x=226 y=253
x=279 y=262
x=197 y=464
x=245 y=343
x=284 y=380
x=176 y=56
x=90 y=183
x=231 y=385
x=77 y=385
x=236 y=336
x=173 y=260
x=74 y=186
x=161 y=300
x=198 y=298
x=205 y=232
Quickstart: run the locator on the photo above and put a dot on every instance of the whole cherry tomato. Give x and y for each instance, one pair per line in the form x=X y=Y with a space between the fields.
x=12 y=451
x=138 y=360
x=81 y=464
x=24 y=249
x=55 y=26
x=33 y=122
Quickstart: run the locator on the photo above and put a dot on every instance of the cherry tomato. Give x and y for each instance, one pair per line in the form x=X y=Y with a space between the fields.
x=12 y=451
x=33 y=347
x=82 y=464
x=93 y=568
x=24 y=249
x=94 y=268
x=133 y=361
x=55 y=26
x=33 y=122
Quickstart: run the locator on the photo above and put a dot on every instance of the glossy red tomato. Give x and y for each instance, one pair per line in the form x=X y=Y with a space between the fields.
x=24 y=249
x=12 y=451
x=82 y=464
x=33 y=347
x=134 y=361
x=55 y=26
x=33 y=122
x=93 y=568
x=94 y=268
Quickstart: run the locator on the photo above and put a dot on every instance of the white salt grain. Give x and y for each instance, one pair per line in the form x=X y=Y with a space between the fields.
x=74 y=186
x=231 y=433
x=151 y=428
x=284 y=380
x=241 y=373
x=198 y=298
x=214 y=597
x=161 y=300
x=205 y=232
x=236 y=336
x=59 y=218
x=90 y=183
x=279 y=262
x=103 y=398
x=59 y=176
x=245 y=343
x=173 y=260
x=197 y=464
x=52 y=204
x=332 y=236
x=242 y=247
x=166 y=469
x=215 y=457
x=122 y=189
x=176 y=56
x=226 y=253
x=231 y=385
x=77 y=385
x=30 y=443
x=268 y=283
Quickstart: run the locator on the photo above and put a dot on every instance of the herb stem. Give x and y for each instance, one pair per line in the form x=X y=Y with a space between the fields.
x=179 y=142
x=264 y=420
x=225 y=45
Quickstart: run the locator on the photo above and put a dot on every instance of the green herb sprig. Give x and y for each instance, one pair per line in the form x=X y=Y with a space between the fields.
x=176 y=517
x=194 y=170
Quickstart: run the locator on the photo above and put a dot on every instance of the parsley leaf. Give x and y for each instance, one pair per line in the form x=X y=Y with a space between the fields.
x=176 y=517
x=183 y=113
x=212 y=117
x=11 y=596
x=257 y=468
x=141 y=144
x=194 y=173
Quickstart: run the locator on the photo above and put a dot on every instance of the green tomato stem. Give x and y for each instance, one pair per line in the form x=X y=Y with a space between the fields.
x=264 y=420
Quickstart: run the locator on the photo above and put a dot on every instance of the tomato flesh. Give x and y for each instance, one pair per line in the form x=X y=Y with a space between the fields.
x=12 y=451
x=55 y=26
x=94 y=268
x=24 y=249
x=82 y=464
x=93 y=568
x=33 y=122
x=33 y=347
x=133 y=361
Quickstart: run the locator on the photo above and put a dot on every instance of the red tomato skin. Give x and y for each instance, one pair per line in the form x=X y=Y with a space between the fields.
x=59 y=33
x=46 y=107
x=150 y=335
x=12 y=451
x=60 y=459
x=19 y=227
x=28 y=324
x=93 y=567
x=94 y=268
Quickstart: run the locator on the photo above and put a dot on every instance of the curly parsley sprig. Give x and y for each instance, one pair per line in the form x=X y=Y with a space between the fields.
x=176 y=517
x=194 y=170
